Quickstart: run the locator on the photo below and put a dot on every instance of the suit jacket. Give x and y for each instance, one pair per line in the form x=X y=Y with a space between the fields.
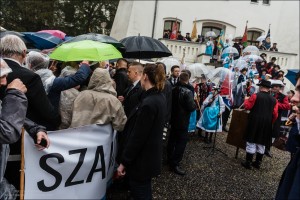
x=132 y=97
x=171 y=81
x=39 y=109
x=142 y=154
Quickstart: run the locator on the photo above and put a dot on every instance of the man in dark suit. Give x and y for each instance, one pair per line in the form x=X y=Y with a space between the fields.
x=175 y=71
x=39 y=110
x=133 y=93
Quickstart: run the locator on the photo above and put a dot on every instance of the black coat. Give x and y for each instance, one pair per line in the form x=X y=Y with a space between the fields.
x=121 y=80
x=39 y=109
x=168 y=95
x=142 y=154
x=260 y=119
x=132 y=98
x=182 y=106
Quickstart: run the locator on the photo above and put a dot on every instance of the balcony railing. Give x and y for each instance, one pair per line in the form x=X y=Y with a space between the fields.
x=193 y=50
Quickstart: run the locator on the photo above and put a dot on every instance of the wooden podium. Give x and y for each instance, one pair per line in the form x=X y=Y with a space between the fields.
x=238 y=128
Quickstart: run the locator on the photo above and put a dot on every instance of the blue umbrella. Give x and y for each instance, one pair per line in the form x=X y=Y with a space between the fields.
x=291 y=75
x=42 y=40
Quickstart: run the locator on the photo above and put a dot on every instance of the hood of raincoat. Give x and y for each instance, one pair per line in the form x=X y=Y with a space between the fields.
x=101 y=82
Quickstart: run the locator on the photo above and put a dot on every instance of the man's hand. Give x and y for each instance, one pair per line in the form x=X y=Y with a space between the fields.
x=121 y=170
x=121 y=98
x=85 y=62
x=18 y=85
x=42 y=135
x=246 y=98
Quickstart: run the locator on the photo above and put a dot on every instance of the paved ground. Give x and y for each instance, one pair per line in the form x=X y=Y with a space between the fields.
x=217 y=176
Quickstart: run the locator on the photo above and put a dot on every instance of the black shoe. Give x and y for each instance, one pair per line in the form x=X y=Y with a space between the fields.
x=256 y=164
x=178 y=171
x=268 y=153
x=246 y=164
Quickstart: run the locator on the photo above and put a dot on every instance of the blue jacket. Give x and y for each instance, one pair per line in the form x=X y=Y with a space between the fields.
x=65 y=83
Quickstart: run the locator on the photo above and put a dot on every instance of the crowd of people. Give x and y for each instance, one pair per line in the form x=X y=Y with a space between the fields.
x=139 y=101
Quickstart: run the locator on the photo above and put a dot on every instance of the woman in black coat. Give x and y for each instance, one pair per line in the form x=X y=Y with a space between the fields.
x=142 y=154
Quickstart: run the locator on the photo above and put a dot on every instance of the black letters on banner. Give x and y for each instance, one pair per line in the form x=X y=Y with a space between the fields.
x=43 y=164
x=79 y=164
x=100 y=152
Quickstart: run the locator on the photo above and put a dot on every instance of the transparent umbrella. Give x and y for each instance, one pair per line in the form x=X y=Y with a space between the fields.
x=210 y=34
x=240 y=63
x=223 y=77
x=251 y=49
x=254 y=58
x=169 y=62
x=197 y=70
x=230 y=50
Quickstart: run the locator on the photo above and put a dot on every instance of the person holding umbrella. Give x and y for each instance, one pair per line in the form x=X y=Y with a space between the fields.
x=209 y=47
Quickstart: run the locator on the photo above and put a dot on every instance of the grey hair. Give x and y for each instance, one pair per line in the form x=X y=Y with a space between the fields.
x=11 y=45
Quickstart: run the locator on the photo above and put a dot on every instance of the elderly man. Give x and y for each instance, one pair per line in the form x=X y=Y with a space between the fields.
x=12 y=118
x=40 y=110
x=13 y=50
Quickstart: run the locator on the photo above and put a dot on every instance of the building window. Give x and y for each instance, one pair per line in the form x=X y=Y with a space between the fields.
x=266 y=2
x=169 y=25
x=206 y=29
x=252 y=36
x=254 y=1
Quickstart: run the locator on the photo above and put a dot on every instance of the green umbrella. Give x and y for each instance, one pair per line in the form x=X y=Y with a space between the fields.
x=85 y=50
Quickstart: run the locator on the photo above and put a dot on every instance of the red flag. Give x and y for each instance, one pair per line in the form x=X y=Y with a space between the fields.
x=245 y=37
x=174 y=31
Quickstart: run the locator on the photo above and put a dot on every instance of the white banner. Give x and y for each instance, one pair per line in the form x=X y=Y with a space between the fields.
x=77 y=165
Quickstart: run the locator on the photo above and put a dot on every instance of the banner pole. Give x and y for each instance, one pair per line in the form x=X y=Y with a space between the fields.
x=22 y=167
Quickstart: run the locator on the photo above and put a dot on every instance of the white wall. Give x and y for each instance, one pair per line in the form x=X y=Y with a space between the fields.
x=282 y=15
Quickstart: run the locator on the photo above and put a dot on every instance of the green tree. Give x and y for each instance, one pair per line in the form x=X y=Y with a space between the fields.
x=74 y=17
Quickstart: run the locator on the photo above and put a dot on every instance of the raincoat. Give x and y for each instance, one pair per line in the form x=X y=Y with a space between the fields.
x=99 y=104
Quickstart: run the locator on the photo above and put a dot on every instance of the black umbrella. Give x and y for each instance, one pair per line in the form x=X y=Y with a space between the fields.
x=100 y=38
x=144 y=47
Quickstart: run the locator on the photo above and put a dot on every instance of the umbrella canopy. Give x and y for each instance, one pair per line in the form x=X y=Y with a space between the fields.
x=56 y=33
x=291 y=75
x=230 y=50
x=197 y=70
x=222 y=77
x=85 y=50
x=169 y=62
x=252 y=58
x=42 y=40
x=100 y=38
x=240 y=63
x=144 y=47
x=210 y=34
x=251 y=49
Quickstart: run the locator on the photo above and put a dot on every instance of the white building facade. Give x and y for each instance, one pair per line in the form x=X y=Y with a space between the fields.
x=152 y=18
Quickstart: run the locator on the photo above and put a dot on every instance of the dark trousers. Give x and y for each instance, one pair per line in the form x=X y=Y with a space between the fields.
x=225 y=116
x=140 y=190
x=176 y=146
